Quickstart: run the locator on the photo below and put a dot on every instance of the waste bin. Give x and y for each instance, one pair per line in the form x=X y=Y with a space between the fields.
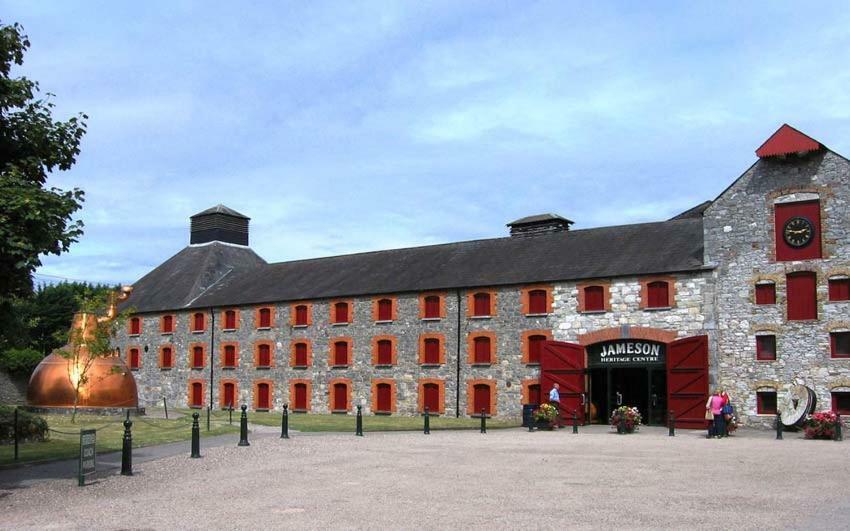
x=527 y=411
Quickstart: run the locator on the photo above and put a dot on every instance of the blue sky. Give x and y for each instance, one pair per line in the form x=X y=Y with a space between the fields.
x=342 y=127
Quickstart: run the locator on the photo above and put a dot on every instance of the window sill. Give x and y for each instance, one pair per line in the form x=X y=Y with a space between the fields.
x=165 y=368
x=340 y=366
x=532 y=363
x=300 y=366
x=840 y=357
x=228 y=367
x=339 y=324
x=383 y=413
x=765 y=360
x=263 y=367
x=384 y=321
x=300 y=326
x=838 y=300
x=484 y=364
x=537 y=314
x=593 y=312
x=198 y=331
x=262 y=409
x=657 y=308
x=384 y=365
x=339 y=412
x=229 y=329
x=263 y=328
x=430 y=365
x=197 y=368
x=166 y=333
x=135 y=369
x=133 y=335
x=431 y=319
x=196 y=407
x=480 y=316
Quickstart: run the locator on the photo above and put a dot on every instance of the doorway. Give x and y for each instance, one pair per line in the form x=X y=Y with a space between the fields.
x=641 y=387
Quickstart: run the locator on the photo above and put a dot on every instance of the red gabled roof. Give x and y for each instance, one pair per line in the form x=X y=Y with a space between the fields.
x=787 y=140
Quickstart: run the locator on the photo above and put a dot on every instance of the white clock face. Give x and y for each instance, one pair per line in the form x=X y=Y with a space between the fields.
x=798 y=232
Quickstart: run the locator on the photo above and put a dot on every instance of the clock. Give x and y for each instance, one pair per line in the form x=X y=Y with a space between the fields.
x=798 y=232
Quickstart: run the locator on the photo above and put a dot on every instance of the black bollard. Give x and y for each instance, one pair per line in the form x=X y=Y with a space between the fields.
x=427 y=429
x=284 y=423
x=483 y=422
x=358 y=427
x=838 y=435
x=165 y=405
x=231 y=413
x=196 y=436
x=243 y=427
x=208 y=418
x=16 y=433
x=127 y=448
x=671 y=424
x=575 y=422
x=778 y=426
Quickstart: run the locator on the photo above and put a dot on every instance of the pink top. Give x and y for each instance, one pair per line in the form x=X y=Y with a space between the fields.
x=716 y=404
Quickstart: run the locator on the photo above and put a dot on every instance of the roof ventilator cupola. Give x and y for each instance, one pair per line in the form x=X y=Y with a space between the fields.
x=539 y=224
x=220 y=224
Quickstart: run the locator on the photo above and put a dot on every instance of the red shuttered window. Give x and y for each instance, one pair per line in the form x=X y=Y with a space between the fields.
x=263 y=396
x=481 y=399
x=766 y=402
x=802 y=296
x=228 y=398
x=264 y=355
x=167 y=324
x=431 y=397
x=301 y=315
x=594 y=299
x=135 y=359
x=766 y=348
x=385 y=352
x=534 y=394
x=229 y=356
x=135 y=326
x=196 y=395
x=432 y=351
x=385 y=310
x=839 y=289
x=839 y=344
x=340 y=355
x=658 y=294
x=432 y=307
x=537 y=303
x=166 y=358
x=301 y=402
x=197 y=357
x=341 y=312
x=230 y=320
x=198 y=322
x=383 y=400
x=301 y=355
x=482 y=350
x=481 y=305
x=766 y=293
x=340 y=397
x=264 y=318
x=535 y=347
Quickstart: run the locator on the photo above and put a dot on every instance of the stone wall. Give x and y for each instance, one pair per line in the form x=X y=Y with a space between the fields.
x=13 y=389
x=739 y=239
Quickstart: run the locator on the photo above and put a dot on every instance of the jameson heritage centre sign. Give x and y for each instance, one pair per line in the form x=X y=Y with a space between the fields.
x=626 y=352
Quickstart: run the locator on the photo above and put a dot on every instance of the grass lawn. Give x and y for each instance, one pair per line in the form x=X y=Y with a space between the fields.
x=343 y=423
x=110 y=432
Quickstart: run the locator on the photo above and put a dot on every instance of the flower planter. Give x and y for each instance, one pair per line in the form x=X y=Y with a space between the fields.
x=544 y=425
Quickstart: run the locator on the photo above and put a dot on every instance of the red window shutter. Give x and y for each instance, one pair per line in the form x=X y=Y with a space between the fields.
x=802 y=296
x=340 y=397
x=765 y=347
x=264 y=357
x=594 y=299
x=384 y=398
x=198 y=324
x=229 y=395
x=135 y=326
x=301 y=315
x=166 y=357
x=229 y=356
x=535 y=347
x=385 y=352
x=482 y=349
x=134 y=358
x=839 y=289
x=263 y=396
x=537 y=301
x=481 y=304
x=230 y=320
x=167 y=323
x=784 y=212
x=766 y=402
x=432 y=307
x=301 y=354
x=840 y=344
x=301 y=396
x=385 y=310
x=341 y=312
x=766 y=293
x=481 y=400
x=198 y=357
x=340 y=353
x=265 y=318
x=432 y=351
x=658 y=294
x=534 y=394
x=431 y=399
x=197 y=394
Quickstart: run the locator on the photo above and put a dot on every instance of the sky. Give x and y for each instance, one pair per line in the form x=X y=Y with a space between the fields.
x=342 y=127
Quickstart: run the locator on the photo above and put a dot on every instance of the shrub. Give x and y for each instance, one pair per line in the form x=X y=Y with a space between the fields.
x=20 y=362
x=820 y=425
x=30 y=427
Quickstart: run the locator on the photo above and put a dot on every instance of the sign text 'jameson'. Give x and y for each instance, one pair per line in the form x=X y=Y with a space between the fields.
x=626 y=352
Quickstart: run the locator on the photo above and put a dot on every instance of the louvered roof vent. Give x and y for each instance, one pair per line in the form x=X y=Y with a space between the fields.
x=539 y=224
x=221 y=224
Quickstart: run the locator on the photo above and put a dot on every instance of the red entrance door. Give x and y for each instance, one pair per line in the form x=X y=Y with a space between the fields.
x=687 y=381
x=564 y=364
x=432 y=397
x=229 y=394
x=481 y=399
x=197 y=395
x=300 y=396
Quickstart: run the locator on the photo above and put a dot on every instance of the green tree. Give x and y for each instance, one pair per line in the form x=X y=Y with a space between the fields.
x=51 y=310
x=34 y=219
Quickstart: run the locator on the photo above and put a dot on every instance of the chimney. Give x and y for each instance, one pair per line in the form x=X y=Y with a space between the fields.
x=219 y=224
x=539 y=224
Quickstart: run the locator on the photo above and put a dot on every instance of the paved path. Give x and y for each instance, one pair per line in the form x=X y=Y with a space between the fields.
x=463 y=479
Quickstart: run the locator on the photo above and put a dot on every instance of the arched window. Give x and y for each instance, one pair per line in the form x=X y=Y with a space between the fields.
x=481 y=399
x=340 y=397
x=301 y=355
x=385 y=310
x=167 y=325
x=594 y=299
x=658 y=294
x=431 y=397
x=432 y=307
x=196 y=394
x=228 y=398
x=264 y=318
x=263 y=396
x=264 y=355
x=166 y=358
x=301 y=400
x=766 y=347
x=481 y=305
x=135 y=326
x=537 y=303
x=198 y=323
x=535 y=347
x=341 y=312
x=481 y=350
x=301 y=315
x=340 y=354
x=383 y=401
x=230 y=320
x=135 y=361
x=384 y=355
x=431 y=356
x=197 y=357
x=229 y=356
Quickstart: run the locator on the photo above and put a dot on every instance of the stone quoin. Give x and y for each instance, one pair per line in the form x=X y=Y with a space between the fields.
x=762 y=271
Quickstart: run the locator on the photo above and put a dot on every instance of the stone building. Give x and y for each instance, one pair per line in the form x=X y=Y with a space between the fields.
x=754 y=283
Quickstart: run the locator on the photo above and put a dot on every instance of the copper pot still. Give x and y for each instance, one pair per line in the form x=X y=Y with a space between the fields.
x=110 y=383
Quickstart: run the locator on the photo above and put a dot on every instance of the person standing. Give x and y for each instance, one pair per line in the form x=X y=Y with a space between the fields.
x=715 y=406
x=555 y=401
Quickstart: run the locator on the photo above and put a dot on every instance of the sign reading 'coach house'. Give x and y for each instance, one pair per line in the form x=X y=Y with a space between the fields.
x=623 y=352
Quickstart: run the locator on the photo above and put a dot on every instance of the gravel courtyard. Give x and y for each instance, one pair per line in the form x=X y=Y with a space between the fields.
x=504 y=479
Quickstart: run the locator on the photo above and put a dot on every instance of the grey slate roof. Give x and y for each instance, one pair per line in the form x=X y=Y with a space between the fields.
x=693 y=212
x=648 y=248
x=220 y=209
x=538 y=218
